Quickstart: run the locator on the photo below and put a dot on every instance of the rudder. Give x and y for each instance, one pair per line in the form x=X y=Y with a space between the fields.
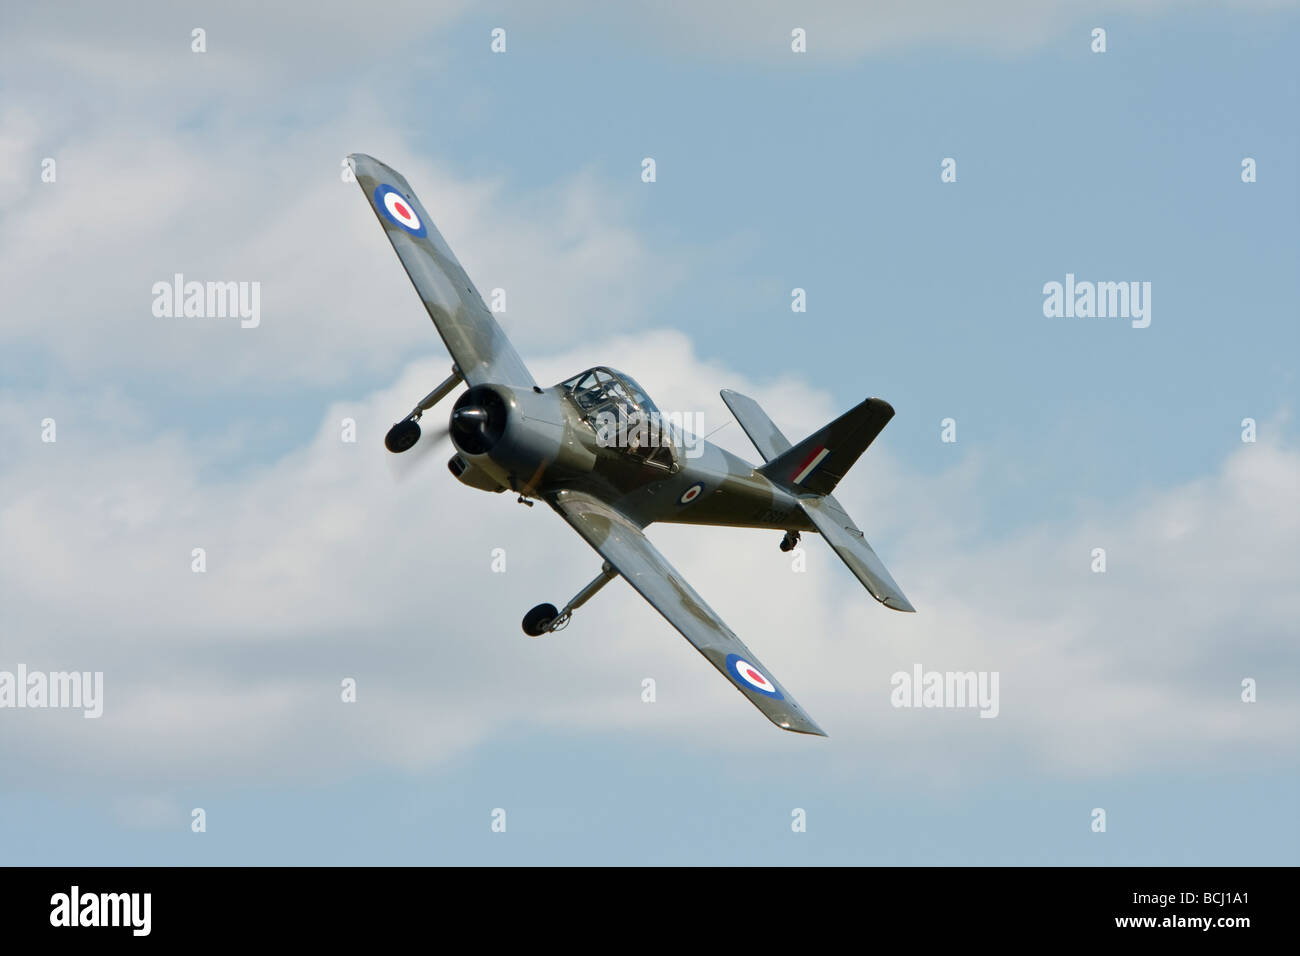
x=818 y=462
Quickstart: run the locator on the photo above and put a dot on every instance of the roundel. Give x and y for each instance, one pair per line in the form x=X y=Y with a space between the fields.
x=749 y=676
x=690 y=494
x=399 y=209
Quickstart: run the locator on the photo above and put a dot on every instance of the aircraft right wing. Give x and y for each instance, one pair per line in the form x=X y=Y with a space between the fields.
x=476 y=342
x=619 y=541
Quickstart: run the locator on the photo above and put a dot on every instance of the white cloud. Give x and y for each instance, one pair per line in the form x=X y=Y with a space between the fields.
x=320 y=567
x=79 y=258
x=249 y=44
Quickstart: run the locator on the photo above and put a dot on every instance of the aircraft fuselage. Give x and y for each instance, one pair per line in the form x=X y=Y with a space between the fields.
x=535 y=442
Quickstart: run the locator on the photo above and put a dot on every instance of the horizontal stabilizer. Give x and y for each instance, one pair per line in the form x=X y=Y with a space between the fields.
x=815 y=466
x=848 y=542
x=767 y=438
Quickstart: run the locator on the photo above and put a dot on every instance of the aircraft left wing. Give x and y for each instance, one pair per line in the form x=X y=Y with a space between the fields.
x=476 y=342
x=621 y=542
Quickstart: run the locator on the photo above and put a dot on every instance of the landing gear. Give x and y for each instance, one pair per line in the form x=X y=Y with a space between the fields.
x=403 y=436
x=545 y=619
x=538 y=621
x=790 y=540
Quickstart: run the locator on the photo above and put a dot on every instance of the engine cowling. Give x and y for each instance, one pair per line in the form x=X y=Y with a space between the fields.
x=479 y=419
x=512 y=436
x=474 y=477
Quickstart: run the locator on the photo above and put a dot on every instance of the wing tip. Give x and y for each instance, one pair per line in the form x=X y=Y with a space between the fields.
x=371 y=164
x=896 y=602
x=813 y=731
x=797 y=725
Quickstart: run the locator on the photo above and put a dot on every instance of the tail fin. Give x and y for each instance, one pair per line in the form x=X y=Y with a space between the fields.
x=818 y=462
x=816 y=465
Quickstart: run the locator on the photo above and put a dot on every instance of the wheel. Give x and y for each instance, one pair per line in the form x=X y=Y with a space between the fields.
x=402 y=436
x=790 y=540
x=537 y=621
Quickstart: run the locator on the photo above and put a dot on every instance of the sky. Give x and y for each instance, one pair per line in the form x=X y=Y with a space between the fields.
x=328 y=560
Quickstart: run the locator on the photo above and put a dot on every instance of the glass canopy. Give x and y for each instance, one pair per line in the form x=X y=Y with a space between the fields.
x=622 y=415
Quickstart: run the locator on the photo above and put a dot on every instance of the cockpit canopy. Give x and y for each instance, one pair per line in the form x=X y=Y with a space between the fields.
x=600 y=387
x=622 y=415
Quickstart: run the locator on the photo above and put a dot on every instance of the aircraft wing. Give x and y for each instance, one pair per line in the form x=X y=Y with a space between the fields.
x=620 y=541
x=476 y=342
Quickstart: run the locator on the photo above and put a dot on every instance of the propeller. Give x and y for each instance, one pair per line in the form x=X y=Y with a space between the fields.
x=479 y=420
x=402 y=467
x=471 y=413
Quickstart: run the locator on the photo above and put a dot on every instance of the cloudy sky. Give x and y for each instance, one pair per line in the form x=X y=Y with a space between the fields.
x=775 y=170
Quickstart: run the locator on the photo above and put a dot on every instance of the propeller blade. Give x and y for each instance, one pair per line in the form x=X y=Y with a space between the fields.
x=402 y=467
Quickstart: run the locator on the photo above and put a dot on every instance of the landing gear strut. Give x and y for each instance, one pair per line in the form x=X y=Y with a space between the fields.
x=545 y=619
x=790 y=540
x=402 y=436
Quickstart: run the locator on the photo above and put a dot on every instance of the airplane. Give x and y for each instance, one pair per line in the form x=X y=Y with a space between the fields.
x=555 y=444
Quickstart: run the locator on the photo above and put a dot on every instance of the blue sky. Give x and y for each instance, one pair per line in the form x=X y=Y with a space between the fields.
x=775 y=170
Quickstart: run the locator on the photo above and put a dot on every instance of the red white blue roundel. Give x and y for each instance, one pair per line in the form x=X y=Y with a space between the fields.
x=690 y=494
x=399 y=209
x=751 y=677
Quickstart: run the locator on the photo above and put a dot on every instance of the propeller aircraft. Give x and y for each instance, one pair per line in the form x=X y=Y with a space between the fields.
x=553 y=444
